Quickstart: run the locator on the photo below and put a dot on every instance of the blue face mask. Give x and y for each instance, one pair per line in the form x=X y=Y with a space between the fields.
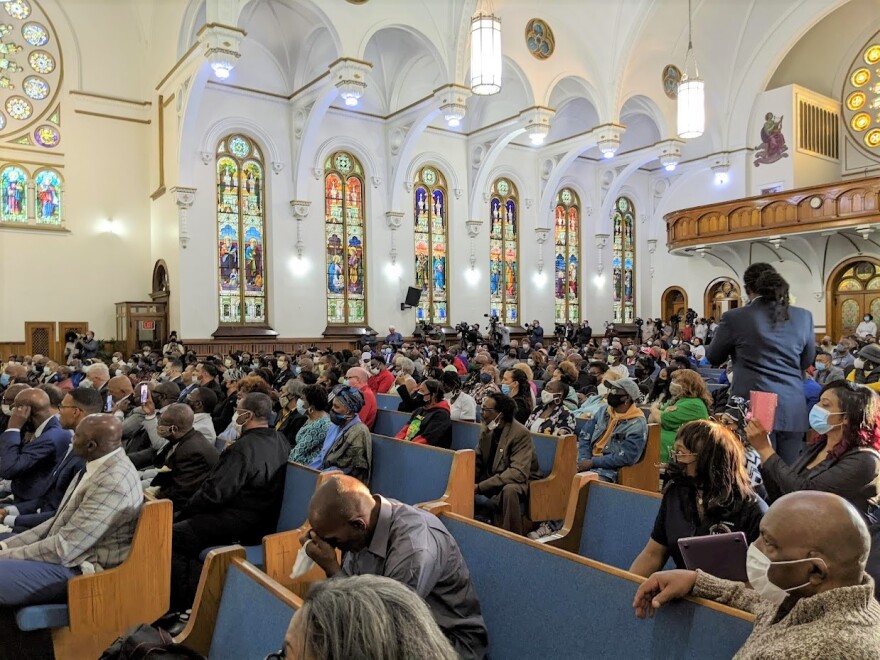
x=339 y=420
x=819 y=420
x=4 y=380
x=505 y=389
x=298 y=370
x=820 y=366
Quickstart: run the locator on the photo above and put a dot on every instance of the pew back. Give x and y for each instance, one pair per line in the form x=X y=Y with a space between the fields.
x=387 y=401
x=299 y=486
x=540 y=602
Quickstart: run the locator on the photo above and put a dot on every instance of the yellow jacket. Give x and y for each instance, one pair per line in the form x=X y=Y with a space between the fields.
x=874 y=386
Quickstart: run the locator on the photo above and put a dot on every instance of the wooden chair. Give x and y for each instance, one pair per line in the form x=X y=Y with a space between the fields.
x=102 y=606
x=239 y=612
x=535 y=600
x=644 y=475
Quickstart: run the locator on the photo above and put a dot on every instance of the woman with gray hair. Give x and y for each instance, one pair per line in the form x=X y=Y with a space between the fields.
x=366 y=617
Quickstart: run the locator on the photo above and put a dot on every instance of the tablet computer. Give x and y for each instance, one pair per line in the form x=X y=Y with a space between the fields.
x=721 y=555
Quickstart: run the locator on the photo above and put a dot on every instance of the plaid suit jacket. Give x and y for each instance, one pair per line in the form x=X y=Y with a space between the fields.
x=93 y=528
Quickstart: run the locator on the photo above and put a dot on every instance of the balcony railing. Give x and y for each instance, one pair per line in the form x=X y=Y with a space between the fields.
x=832 y=207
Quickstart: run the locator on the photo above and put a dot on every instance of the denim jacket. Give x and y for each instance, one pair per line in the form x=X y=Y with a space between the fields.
x=626 y=446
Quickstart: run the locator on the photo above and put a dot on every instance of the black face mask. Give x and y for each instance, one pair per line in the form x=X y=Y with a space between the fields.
x=615 y=400
x=678 y=472
x=417 y=398
x=641 y=373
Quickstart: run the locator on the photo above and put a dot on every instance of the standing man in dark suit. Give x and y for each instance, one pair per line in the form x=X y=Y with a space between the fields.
x=29 y=465
x=23 y=515
x=505 y=464
x=771 y=344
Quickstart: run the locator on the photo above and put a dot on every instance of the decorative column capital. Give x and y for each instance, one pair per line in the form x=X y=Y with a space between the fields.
x=222 y=47
x=350 y=78
x=652 y=245
x=473 y=227
x=393 y=220
x=541 y=235
x=300 y=208
x=602 y=240
x=183 y=197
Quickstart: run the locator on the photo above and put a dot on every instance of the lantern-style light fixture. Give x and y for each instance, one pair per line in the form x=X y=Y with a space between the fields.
x=691 y=92
x=485 y=53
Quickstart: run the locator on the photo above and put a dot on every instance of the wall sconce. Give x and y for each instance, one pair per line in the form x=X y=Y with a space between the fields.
x=541 y=238
x=601 y=242
x=350 y=78
x=721 y=166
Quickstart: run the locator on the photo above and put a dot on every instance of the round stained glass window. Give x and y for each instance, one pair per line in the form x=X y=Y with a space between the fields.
x=861 y=98
x=503 y=187
x=566 y=196
x=19 y=9
x=343 y=163
x=42 y=62
x=47 y=136
x=19 y=107
x=239 y=147
x=429 y=176
x=35 y=34
x=35 y=88
x=30 y=77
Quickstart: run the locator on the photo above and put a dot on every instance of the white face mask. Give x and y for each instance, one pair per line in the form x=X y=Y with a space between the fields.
x=757 y=568
x=86 y=383
x=492 y=425
x=602 y=390
x=118 y=372
x=6 y=409
x=547 y=397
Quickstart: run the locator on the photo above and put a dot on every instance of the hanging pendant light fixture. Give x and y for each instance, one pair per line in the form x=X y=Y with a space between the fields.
x=691 y=93
x=485 y=53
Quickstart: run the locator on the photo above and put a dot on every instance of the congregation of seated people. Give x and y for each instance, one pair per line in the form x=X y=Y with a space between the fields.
x=81 y=443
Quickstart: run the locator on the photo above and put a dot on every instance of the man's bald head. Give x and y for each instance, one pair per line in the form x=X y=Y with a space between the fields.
x=357 y=376
x=812 y=523
x=343 y=512
x=119 y=387
x=178 y=415
x=97 y=436
x=13 y=391
x=37 y=399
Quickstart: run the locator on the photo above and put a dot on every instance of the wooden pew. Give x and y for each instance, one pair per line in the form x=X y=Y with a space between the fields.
x=606 y=522
x=414 y=474
x=644 y=475
x=387 y=402
x=239 y=612
x=542 y=602
x=408 y=472
x=102 y=606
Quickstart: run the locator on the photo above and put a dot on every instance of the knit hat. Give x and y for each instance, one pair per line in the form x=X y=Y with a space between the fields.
x=870 y=353
x=628 y=385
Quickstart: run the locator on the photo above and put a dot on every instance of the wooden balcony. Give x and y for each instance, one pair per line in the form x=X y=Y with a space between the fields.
x=832 y=207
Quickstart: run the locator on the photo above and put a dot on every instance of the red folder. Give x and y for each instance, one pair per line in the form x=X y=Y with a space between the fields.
x=764 y=408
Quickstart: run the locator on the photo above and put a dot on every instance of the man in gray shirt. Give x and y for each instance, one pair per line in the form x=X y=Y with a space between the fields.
x=384 y=537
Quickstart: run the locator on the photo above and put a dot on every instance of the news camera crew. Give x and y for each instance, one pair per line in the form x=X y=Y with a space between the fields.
x=87 y=345
x=536 y=332
x=584 y=334
x=499 y=334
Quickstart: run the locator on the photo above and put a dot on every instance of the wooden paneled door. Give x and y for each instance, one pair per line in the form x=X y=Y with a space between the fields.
x=40 y=338
x=721 y=296
x=854 y=291
x=673 y=302
x=79 y=327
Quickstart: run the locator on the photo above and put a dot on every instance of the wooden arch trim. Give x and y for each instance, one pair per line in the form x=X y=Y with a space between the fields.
x=707 y=301
x=670 y=290
x=832 y=326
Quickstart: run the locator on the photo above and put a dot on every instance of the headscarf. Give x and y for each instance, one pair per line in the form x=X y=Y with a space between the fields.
x=351 y=397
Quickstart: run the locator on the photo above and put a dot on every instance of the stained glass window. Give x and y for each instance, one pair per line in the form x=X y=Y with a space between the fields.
x=13 y=184
x=504 y=252
x=241 y=190
x=623 y=261
x=30 y=75
x=431 y=246
x=345 y=239
x=47 y=185
x=566 y=256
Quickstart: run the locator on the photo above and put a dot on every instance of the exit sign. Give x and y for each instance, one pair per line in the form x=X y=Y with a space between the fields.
x=148 y=325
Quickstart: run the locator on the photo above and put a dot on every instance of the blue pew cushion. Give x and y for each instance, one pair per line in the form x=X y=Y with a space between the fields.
x=299 y=486
x=251 y=621
x=409 y=472
x=40 y=617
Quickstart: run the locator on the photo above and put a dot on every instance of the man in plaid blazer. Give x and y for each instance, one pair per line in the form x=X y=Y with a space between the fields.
x=92 y=529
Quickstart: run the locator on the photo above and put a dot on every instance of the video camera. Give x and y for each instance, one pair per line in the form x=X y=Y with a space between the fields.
x=462 y=328
x=691 y=316
x=559 y=329
x=639 y=322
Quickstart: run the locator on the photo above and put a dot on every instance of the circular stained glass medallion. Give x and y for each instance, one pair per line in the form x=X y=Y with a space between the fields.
x=856 y=100
x=539 y=39
x=47 y=136
x=19 y=107
x=872 y=138
x=239 y=146
x=35 y=87
x=872 y=54
x=566 y=196
x=623 y=204
x=42 y=62
x=429 y=176
x=860 y=77
x=503 y=187
x=35 y=34
x=861 y=121
x=343 y=162
x=19 y=9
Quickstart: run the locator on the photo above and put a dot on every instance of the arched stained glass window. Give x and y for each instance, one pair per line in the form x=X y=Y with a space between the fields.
x=13 y=185
x=504 y=252
x=345 y=236
x=566 y=256
x=47 y=185
x=431 y=246
x=623 y=262
x=241 y=232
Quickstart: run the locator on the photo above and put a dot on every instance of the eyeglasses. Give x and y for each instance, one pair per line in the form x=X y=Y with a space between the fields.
x=677 y=453
x=61 y=407
x=278 y=655
x=485 y=410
